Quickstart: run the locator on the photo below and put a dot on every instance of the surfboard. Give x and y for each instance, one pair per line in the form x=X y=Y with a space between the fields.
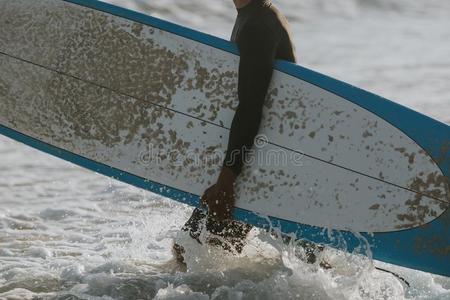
x=150 y=103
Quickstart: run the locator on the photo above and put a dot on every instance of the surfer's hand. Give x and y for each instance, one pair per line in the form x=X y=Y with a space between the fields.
x=220 y=197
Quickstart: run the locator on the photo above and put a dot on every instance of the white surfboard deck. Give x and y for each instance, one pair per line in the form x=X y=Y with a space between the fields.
x=151 y=103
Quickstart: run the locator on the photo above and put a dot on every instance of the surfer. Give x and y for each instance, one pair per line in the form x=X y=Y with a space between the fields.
x=262 y=34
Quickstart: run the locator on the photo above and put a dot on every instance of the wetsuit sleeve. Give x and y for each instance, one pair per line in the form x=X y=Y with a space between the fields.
x=257 y=45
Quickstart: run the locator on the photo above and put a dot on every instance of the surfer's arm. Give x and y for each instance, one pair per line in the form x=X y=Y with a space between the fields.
x=257 y=46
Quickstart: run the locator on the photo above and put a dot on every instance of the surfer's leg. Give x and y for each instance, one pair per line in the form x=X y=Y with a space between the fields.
x=195 y=224
x=194 y=227
x=229 y=234
x=178 y=252
x=311 y=250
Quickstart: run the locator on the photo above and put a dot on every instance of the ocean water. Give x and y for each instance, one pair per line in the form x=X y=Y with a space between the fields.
x=68 y=233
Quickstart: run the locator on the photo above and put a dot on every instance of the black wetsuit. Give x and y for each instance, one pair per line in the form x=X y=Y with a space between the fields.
x=262 y=35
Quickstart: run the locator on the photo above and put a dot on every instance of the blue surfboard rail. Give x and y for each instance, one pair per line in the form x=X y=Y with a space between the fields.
x=425 y=248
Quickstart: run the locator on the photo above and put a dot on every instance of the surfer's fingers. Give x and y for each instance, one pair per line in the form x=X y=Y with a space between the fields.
x=204 y=199
x=207 y=195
